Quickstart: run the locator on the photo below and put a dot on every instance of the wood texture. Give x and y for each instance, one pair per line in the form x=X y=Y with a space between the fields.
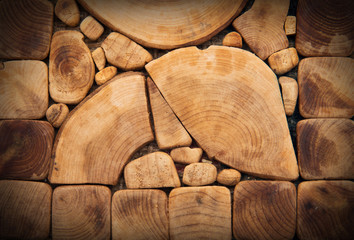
x=101 y=134
x=68 y=12
x=91 y=28
x=198 y=174
x=24 y=210
x=81 y=212
x=23 y=89
x=139 y=215
x=200 y=213
x=105 y=75
x=186 y=155
x=25 y=28
x=325 y=210
x=283 y=61
x=325 y=148
x=264 y=210
x=56 y=114
x=229 y=101
x=290 y=92
x=99 y=58
x=232 y=39
x=228 y=177
x=290 y=25
x=326 y=87
x=262 y=27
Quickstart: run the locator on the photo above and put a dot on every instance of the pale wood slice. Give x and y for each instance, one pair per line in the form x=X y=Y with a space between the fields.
x=154 y=170
x=68 y=12
x=200 y=213
x=25 y=148
x=91 y=28
x=325 y=148
x=99 y=58
x=169 y=131
x=105 y=75
x=290 y=92
x=81 y=212
x=229 y=101
x=228 y=177
x=264 y=210
x=325 y=210
x=283 y=61
x=101 y=134
x=290 y=25
x=71 y=68
x=56 y=114
x=139 y=215
x=198 y=174
x=325 y=28
x=186 y=155
x=262 y=26
x=24 y=210
x=326 y=87
x=232 y=39
x=23 y=89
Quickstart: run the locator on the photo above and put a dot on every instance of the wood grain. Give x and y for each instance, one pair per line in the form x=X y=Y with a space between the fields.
x=198 y=174
x=186 y=155
x=56 y=114
x=290 y=92
x=232 y=39
x=68 y=12
x=91 y=28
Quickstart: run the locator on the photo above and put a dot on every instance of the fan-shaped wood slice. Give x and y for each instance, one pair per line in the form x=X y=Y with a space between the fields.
x=326 y=87
x=101 y=133
x=262 y=26
x=264 y=210
x=71 y=68
x=165 y=24
x=200 y=213
x=24 y=210
x=81 y=212
x=139 y=215
x=325 y=210
x=229 y=101
x=325 y=28
x=25 y=28
x=23 y=89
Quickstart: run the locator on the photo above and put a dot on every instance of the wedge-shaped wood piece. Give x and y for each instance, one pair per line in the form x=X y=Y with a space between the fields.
x=68 y=12
x=325 y=210
x=325 y=28
x=290 y=92
x=283 y=61
x=326 y=87
x=290 y=25
x=71 y=68
x=186 y=155
x=262 y=27
x=102 y=133
x=105 y=75
x=264 y=210
x=24 y=210
x=139 y=215
x=200 y=213
x=325 y=148
x=81 y=212
x=154 y=170
x=56 y=114
x=198 y=174
x=91 y=28
x=23 y=89
x=99 y=58
x=228 y=177
x=222 y=95
x=232 y=39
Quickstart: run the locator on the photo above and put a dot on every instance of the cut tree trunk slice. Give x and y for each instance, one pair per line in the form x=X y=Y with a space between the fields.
x=102 y=133
x=232 y=39
x=169 y=132
x=91 y=28
x=165 y=24
x=326 y=87
x=283 y=61
x=229 y=101
x=262 y=27
x=290 y=92
x=325 y=28
x=56 y=114
x=71 y=68
x=186 y=155
x=325 y=148
x=105 y=75
x=198 y=174
x=23 y=89
x=24 y=210
x=81 y=212
x=290 y=25
x=68 y=12
x=139 y=215
x=25 y=28
x=325 y=210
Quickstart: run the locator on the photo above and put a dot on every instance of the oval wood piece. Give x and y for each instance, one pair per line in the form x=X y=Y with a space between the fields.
x=23 y=89
x=154 y=170
x=198 y=174
x=264 y=210
x=326 y=87
x=229 y=101
x=228 y=177
x=56 y=114
x=101 y=134
x=99 y=58
x=232 y=39
x=68 y=12
x=105 y=75
x=325 y=148
x=290 y=92
x=91 y=28
x=283 y=61
x=262 y=26
x=140 y=215
x=186 y=155
x=71 y=68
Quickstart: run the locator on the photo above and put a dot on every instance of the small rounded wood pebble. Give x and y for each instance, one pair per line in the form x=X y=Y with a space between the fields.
x=290 y=91
x=105 y=75
x=198 y=174
x=290 y=25
x=186 y=155
x=232 y=39
x=283 y=61
x=68 y=12
x=229 y=177
x=99 y=58
x=91 y=28
x=56 y=114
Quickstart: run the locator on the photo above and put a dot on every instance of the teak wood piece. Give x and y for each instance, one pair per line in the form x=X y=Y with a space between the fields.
x=325 y=210
x=24 y=209
x=81 y=212
x=325 y=148
x=290 y=25
x=25 y=28
x=200 y=213
x=232 y=39
x=140 y=215
x=198 y=174
x=229 y=101
x=68 y=12
x=102 y=133
x=56 y=114
x=283 y=61
x=99 y=58
x=228 y=177
x=169 y=131
x=290 y=92
x=325 y=28
x=262 y=27
x=23 y=89
x=326 y=87
x=264 y=210
x=105 y=75
x=186 y=155
x=91 y=28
